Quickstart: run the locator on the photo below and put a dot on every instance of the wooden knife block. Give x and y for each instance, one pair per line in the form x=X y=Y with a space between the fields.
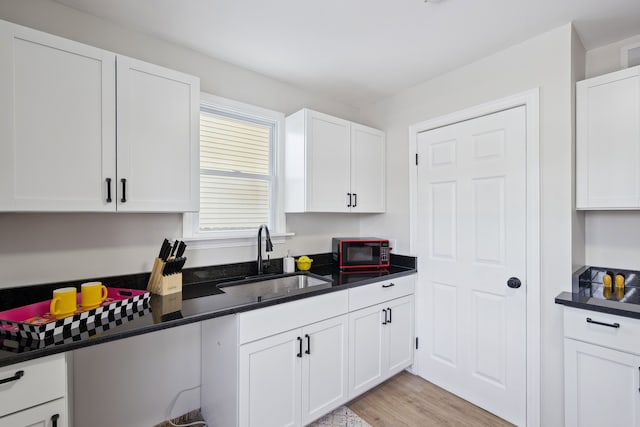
x=163 y=285
x=162 y=305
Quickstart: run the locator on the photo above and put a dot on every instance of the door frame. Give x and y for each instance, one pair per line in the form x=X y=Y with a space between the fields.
x=530 y=100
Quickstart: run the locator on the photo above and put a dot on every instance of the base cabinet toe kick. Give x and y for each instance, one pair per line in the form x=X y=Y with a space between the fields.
x=292 y=363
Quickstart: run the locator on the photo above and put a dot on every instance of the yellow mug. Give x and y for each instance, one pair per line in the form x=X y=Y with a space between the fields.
x=92 y=295
x=63 y=303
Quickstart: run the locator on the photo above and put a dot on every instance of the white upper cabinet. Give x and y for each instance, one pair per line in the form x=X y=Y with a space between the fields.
x=608 y=141
x=158 y=138
x=367 y=169
x=333 y=165
x=58 y=129
x=57 y=123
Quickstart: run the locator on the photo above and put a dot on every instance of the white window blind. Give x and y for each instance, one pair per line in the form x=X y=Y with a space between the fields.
x=236 y=171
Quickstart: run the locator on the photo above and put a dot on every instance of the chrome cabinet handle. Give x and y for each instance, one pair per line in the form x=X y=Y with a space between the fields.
x=611 y=325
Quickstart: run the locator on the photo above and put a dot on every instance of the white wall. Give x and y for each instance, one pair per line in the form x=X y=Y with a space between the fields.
x=606 y=59
x=613 y=238
x=578 y=58
x=544 y=62
x=58 y=247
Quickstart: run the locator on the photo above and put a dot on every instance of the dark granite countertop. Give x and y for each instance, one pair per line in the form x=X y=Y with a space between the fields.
x=588 y=292
x=585 y=302
x=200 y=300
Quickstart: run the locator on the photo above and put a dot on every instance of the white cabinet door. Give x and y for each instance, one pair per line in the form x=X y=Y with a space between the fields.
x=368 y=182
x=333 y=165
x=269 y=381
x=324 y=367
x=328 y=163
x=367 y=357
x=400 y=335
x=381 y=339
x=158 y=148
x=608 y=141
x=57 y=123
x=51 y=414
x=601 y=386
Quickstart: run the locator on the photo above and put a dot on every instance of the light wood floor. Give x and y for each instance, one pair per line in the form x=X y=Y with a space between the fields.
x=407 y=400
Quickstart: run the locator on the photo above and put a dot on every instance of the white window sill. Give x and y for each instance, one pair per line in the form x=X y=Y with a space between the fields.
x=232 y=240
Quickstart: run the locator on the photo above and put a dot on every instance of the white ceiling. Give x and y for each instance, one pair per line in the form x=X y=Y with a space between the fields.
x=358 y=51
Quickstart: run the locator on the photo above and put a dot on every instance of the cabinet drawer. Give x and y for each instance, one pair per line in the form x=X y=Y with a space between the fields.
x=375 y=293
x=624 y=337
x=41 y=380
x=41 y=415
x=278 y=318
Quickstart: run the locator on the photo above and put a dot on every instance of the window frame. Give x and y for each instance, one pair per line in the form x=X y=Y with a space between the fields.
x=190 y=222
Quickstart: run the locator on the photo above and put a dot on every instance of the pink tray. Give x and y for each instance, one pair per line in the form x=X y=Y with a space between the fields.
x=35 y=322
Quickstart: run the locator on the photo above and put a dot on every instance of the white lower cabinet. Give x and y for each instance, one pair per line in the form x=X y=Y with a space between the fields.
x=601 y=386
x=381 y=343
x=269 y=383
x=33 y=393
x=50 y=414
x=295 y=377
x=324 y=367
x=602 y=369
x=289 y=364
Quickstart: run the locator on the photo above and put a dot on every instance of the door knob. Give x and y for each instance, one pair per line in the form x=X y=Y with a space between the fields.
x=514 y=282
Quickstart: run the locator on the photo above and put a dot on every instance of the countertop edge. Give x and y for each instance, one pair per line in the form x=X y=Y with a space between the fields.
x=613 y=307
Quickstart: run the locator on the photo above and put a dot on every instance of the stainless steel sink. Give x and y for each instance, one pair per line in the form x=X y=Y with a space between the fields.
x=275 y=286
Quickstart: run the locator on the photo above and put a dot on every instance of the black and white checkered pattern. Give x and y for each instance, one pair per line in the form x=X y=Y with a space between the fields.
x=82 y=325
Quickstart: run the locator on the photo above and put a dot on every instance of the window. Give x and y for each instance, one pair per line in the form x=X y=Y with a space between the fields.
x=239 y=177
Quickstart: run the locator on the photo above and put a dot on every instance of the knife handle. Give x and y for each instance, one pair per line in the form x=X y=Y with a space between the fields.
x=163 y=248
x=181 y=248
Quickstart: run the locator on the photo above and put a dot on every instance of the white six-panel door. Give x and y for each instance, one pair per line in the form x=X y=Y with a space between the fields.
x=472 y=239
